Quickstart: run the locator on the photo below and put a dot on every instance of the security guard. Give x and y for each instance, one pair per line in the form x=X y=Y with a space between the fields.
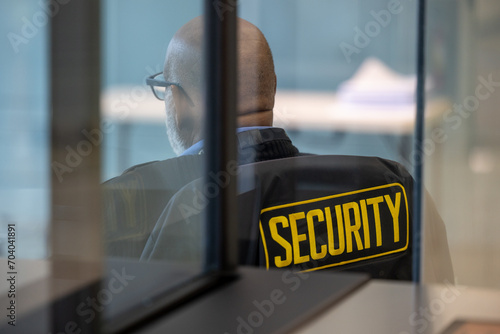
x=302 y=212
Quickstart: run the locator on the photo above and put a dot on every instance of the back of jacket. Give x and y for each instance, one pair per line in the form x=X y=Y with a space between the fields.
x=307 y=213
x=327 y=213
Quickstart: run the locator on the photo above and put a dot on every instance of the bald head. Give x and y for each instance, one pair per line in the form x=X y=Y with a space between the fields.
x=256 y=77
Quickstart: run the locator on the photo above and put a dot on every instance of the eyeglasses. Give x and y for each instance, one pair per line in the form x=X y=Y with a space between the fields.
x=158 y=86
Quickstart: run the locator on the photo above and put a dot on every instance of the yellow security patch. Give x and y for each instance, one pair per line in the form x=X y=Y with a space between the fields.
x=336 y=230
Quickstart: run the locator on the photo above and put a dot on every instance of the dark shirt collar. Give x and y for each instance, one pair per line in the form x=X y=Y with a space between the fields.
x=197 y=148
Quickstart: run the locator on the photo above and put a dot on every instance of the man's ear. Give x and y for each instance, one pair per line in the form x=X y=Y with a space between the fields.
x=185 y=115
x=183 y=110
x=275 y=83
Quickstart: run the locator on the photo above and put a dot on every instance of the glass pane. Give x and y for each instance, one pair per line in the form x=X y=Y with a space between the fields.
x=151 y=148
x=346 y=87
x=462 y=169
x=24 y=115
x=25 y=170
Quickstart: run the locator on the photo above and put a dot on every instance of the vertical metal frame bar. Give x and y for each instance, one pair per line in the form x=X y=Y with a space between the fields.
x=418 y=148
x=76 y=246
x=220 y=128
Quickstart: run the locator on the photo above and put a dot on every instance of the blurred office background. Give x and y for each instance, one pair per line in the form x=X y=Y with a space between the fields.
x=318 y=46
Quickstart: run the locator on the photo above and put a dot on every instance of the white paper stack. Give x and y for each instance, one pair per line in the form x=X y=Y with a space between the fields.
x=376 y=85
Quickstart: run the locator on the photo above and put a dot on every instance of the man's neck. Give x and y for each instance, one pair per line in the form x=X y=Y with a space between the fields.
x=197 y=147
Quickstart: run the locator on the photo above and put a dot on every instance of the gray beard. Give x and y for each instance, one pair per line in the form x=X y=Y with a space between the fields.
x=178 y=143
